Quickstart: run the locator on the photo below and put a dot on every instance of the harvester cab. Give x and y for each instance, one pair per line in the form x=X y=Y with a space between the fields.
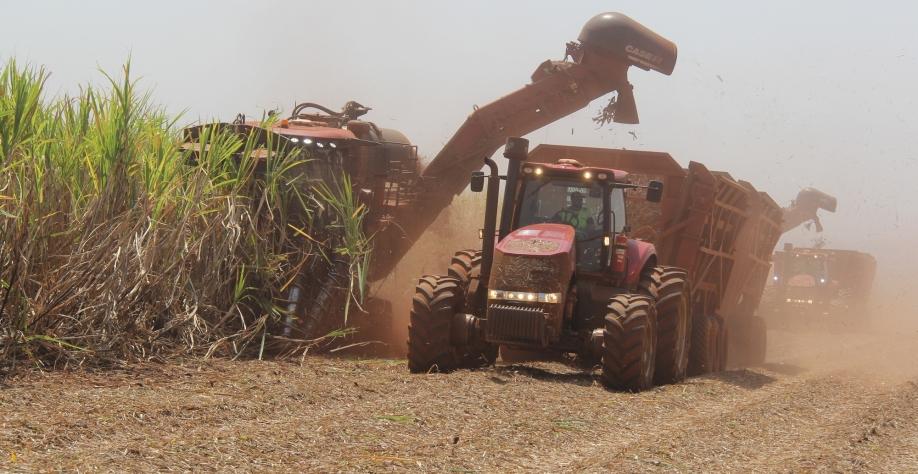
x=557 y=274
x=382 y=163
x=821 y=282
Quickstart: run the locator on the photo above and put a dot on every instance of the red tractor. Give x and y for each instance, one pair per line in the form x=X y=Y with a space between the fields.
x=558 y=274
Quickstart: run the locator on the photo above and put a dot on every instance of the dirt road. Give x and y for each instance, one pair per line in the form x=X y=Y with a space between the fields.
x=832 y=402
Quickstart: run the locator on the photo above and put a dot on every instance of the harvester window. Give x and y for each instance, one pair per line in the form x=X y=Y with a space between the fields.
x=807 y=264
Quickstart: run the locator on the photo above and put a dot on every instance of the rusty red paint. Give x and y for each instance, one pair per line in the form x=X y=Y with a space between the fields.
x=539 y=239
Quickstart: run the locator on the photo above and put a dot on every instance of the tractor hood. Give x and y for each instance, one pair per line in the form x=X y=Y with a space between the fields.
x=539 y=239
x=537 y=258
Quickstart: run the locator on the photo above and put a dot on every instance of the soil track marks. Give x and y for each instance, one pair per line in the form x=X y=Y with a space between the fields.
x=824 y=402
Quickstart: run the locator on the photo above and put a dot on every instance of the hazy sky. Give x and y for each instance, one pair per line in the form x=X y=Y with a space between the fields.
x=784 y=94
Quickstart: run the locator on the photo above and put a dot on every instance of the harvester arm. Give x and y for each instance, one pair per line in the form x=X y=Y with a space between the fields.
x=805 y=208
x=608 y=46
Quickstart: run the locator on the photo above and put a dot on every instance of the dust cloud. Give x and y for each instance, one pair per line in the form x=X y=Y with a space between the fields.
x=455 y=229
x=880 y=345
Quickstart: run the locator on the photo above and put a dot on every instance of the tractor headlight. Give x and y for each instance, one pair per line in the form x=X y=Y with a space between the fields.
x=524 y=296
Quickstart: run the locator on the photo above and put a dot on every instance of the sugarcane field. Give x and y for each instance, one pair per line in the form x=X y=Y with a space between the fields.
x=458 y=237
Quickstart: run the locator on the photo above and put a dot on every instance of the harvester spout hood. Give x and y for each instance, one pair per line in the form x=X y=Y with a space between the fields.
x=617 y=35
x=805 y=208
x=609 y=44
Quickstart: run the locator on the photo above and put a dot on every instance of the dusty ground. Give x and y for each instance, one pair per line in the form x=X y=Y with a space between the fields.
x=839 y=402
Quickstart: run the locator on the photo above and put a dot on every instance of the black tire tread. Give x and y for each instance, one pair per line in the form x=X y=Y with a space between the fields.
x=624 y=342
x=464 y=264
x=429 y=347
x=704 y=355
x=668 y=285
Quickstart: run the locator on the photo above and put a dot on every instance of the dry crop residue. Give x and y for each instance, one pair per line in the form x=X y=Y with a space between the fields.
x=845 y=402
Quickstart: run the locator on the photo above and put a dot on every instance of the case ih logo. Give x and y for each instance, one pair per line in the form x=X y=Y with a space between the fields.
x=643 y=56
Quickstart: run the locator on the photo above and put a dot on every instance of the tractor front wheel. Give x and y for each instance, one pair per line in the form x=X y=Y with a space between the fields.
x=431 y=342
x=629 y=343
x=669 y=287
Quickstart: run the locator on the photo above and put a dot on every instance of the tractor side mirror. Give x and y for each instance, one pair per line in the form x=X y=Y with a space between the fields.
x=655 y=191
x=477 y=183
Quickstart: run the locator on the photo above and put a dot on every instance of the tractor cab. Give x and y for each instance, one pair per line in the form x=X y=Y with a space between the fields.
x=561 y=249
x=586 y=199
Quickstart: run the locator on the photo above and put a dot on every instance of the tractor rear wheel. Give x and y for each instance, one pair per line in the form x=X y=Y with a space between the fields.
x=704 y=355
x=629 y=343
x=669 y=287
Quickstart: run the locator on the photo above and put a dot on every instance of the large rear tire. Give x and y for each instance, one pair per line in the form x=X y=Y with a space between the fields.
x=629 y=343
x=669 y=286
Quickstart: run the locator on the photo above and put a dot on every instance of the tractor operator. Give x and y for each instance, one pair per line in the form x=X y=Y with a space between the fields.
x=576 y=215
